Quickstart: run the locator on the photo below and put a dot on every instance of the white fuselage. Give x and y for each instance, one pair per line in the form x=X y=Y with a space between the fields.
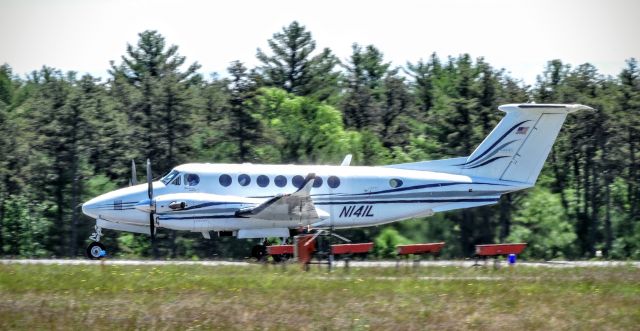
x=361 y=196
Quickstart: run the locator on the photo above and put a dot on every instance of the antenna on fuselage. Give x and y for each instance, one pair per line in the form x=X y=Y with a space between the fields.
x=347 y=160
x=134 y=175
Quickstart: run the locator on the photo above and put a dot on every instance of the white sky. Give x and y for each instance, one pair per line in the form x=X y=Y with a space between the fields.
x=518 y=35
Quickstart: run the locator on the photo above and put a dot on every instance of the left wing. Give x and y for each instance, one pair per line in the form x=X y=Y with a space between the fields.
x=296 y=206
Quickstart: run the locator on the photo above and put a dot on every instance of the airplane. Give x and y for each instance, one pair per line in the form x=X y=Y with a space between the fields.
x=265 y=201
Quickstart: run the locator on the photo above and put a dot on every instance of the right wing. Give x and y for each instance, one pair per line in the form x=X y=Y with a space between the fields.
x=296 y=206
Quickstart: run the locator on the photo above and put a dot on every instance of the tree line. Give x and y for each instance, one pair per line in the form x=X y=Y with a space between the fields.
x=67 y=138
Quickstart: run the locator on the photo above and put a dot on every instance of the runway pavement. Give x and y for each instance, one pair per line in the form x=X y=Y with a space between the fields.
x=353 y=264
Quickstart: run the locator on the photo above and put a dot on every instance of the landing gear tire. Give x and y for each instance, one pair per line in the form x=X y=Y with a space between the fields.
x=259 y=252
x=96 y=251
x=281 y=257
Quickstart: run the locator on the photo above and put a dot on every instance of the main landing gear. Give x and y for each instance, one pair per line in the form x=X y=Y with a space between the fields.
x=259 y=251
x=96 y=250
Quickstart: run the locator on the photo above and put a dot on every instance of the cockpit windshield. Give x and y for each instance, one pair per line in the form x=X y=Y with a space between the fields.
x=169 y=177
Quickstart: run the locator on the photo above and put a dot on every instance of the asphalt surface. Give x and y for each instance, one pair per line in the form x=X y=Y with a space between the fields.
x=354 y=264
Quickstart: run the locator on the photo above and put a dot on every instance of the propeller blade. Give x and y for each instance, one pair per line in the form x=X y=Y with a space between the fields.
x=152 y=227
x=149 y=181
x=134 y=175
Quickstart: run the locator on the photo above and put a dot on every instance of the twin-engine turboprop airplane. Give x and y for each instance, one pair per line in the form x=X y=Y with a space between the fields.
x=261 y=201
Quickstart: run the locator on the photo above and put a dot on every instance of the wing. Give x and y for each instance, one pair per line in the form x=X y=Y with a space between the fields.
x=296 y=206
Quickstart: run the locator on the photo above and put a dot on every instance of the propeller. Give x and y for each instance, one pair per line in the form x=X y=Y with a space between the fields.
x=134 y=176
x=152 y=226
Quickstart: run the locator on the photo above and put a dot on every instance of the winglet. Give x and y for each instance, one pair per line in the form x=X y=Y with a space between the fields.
x=347 y=160
x=307 y=184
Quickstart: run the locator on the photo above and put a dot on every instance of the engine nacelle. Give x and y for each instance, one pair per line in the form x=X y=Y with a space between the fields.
x=177 y=205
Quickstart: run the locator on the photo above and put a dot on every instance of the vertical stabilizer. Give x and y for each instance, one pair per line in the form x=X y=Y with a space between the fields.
x=518 y=146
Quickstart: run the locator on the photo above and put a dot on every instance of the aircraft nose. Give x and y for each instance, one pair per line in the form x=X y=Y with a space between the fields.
x=90 y=208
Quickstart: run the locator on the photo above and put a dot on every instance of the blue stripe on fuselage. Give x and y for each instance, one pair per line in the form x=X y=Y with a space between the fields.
x=369 y=202
x=418 y=187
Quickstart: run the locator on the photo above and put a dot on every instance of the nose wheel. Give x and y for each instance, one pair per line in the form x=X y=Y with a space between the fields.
x=96 y=251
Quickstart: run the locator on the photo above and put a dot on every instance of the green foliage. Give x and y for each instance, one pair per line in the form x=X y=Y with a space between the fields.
x=541 y=222
x=307 y=131
x=133 y=245
x=385 y=243
x=99 y=184
x=24 y=227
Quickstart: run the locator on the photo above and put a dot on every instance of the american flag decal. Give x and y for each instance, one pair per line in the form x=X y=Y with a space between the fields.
x=522 y=130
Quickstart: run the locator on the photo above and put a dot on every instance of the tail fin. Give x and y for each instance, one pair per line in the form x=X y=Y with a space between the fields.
x=518 y=146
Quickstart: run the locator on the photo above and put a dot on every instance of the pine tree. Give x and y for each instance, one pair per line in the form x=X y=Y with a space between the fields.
x=324 y=84
x=396 y=110
x=6 y=91
x=155 y=94
x=364 y=90
x=293 y=67
x=423 y=86
x=58 y=121
x=243 y=126
x=626 y=231
x=211 y=136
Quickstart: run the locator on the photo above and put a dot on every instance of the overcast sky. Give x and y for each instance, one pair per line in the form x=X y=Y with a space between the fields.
x=520 y=36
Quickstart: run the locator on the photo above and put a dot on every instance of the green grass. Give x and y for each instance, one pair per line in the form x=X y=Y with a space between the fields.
x=269 y=297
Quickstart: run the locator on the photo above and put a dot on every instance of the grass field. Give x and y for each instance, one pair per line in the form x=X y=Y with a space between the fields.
x=39 y=297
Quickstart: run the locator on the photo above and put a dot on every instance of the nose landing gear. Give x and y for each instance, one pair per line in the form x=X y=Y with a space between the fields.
x=96 y=250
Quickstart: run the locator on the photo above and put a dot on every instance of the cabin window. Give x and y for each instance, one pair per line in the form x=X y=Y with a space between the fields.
x=333 y=181
x=176 y=181
x=169 y=177
x=244 y=179
x=225 y=180
x=262 y=181
x=192 y=179
x=280 y=181
x=317 y=182
x=395 y=182
x=297 y=181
